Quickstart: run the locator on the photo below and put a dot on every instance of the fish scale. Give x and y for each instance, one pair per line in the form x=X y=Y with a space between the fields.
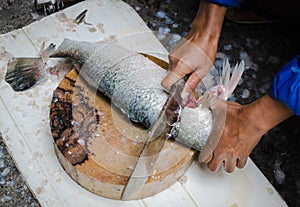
x=132 y=82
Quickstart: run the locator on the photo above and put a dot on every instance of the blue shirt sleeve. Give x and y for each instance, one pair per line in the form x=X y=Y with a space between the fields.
x=286 y=85
x=228 y=3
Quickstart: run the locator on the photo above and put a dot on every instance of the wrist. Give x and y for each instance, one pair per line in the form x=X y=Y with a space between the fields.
x=266 y=112
x=209 y=19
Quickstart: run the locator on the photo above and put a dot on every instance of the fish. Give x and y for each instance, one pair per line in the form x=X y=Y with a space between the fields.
x=24 y=73
x=196 y=123
x=130 y=80
x=133 y=83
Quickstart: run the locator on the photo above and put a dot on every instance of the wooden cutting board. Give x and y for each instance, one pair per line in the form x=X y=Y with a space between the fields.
x=98 y=146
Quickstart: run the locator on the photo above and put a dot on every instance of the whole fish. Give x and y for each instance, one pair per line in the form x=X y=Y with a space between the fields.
x=132 y=82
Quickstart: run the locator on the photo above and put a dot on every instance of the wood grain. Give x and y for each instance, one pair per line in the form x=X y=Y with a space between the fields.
x=98 y=146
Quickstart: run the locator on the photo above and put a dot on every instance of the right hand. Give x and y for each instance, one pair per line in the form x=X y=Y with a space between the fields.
x=195 y=54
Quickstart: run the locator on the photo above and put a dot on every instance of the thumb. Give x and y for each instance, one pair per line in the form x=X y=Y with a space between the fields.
x=170 y=79
x=218 y=108
x=193 y=81
x=196 y=77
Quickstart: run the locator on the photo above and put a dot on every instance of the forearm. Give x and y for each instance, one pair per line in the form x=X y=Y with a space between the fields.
x=282 y=101
x=209 y=19
x=266 y=112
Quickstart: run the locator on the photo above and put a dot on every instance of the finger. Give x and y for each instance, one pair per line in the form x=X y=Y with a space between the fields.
x=194 y=80
x=170 y=79
x=207 y=160
x=206 y=154
x=241 y=162
x=211 y=143
x=229 y=165
x=214 y=164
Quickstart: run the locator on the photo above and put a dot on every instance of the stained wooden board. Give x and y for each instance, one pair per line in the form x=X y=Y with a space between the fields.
x=99 y=146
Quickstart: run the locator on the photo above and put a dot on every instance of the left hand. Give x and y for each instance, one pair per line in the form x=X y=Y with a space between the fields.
x=231 y=142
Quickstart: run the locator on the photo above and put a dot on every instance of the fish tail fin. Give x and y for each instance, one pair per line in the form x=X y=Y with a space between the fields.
x=24 y=73
x=231 y=83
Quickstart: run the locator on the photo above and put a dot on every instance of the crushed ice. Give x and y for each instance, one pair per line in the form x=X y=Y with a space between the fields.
x=279 y=174
x=161 y=14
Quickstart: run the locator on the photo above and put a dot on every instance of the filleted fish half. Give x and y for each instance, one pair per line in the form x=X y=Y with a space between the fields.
x=132 y=82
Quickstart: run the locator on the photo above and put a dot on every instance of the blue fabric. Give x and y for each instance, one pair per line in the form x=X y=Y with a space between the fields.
x=228 y=3
x=286 y=85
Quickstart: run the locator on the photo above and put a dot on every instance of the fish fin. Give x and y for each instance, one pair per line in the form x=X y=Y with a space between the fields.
x=46 y=52
x=235 y=77
x=24 y=73
x=225 y=78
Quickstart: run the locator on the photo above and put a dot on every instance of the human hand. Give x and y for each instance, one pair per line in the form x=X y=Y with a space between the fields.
x=196 y=52
x=194 y=55
x=234 y=135
x=237 y=129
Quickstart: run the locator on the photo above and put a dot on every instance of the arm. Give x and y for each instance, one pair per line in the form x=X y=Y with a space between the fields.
x=245 y=125
x=197 y=50
x=286 y=85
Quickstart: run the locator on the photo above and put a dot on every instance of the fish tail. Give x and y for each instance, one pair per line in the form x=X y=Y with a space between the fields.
x=24 y=73
x=68 y=49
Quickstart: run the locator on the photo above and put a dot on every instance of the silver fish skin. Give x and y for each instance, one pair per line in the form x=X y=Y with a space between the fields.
x=132 y=82
x=196 y=123
x=129 y=79
x=194 y=127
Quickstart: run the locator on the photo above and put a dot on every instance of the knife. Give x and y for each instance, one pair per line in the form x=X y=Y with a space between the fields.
x=158 y=133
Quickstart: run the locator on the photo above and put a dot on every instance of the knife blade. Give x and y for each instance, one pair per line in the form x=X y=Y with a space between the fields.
x=158 y=133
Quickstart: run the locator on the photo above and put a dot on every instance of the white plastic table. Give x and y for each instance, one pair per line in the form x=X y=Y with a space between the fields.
x=24 y=120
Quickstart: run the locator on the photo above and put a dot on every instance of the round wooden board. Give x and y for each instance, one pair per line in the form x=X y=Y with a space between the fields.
x=98 y=146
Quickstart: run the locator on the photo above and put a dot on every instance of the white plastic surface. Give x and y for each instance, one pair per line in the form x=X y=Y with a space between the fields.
x=24 y=120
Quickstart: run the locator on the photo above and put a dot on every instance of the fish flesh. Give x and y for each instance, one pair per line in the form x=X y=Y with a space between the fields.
x=133 y=83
